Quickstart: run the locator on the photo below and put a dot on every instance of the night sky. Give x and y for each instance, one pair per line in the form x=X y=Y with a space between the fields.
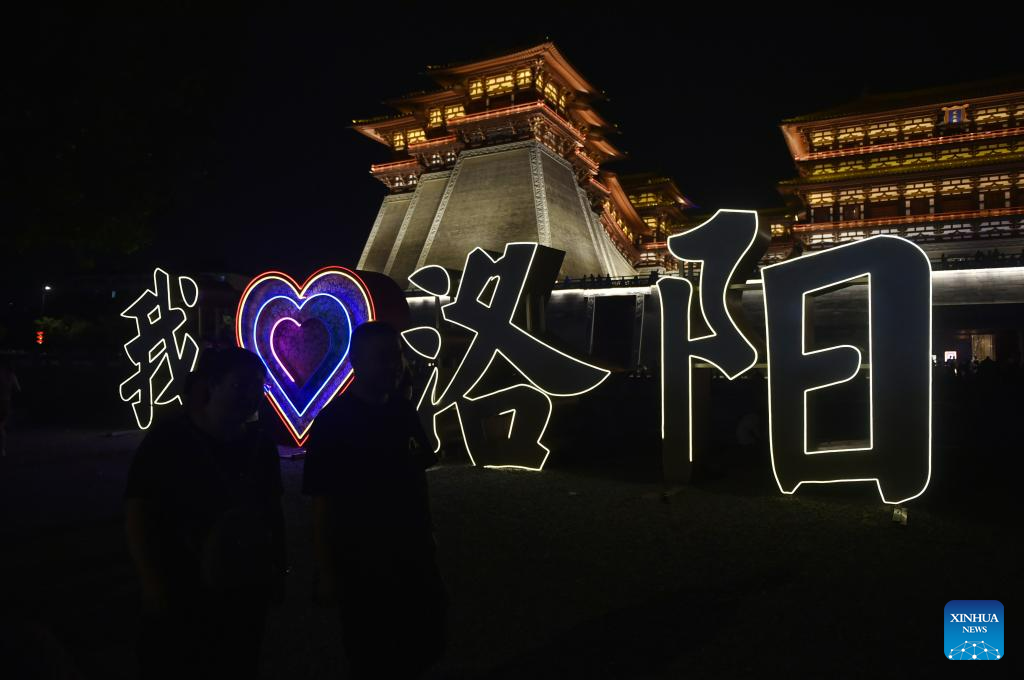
x=226 y=138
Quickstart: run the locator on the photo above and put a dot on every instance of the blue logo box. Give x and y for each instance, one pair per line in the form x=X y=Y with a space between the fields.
x=973 y=630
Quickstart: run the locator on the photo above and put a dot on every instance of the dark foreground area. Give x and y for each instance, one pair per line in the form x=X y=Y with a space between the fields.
x=571 y=572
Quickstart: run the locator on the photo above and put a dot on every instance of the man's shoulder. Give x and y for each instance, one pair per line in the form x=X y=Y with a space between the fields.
x=161 y=459
x=338 y=420
x=169 y=433
x=343 y=407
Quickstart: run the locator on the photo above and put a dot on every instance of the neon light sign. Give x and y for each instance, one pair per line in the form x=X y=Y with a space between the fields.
x=302 y=334
x=161 y=352
x=501 y=389
x=727 y=247
x=488 y=298
x=897 y=453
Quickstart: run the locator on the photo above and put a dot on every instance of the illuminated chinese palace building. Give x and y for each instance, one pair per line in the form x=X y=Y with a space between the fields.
x=506 y=149
x=659 y=206
x=649 y=208
x=942 y=167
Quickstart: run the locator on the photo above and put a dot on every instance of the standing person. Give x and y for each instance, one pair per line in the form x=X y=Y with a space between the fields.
x=205 y=526
x=8 y=386
x=373 y=536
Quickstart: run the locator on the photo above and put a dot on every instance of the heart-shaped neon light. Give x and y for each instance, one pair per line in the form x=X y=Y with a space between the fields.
x=299 y=347
x=276 y=318
x=322 y=307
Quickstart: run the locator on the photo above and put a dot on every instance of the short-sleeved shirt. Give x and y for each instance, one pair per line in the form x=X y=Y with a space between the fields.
x=193 y=484
x=370 y=460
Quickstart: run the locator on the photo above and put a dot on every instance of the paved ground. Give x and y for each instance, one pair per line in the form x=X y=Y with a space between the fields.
x=567 y=573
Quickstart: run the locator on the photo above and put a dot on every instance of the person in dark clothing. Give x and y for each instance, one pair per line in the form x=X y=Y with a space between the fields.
x=373 y=535
x=205 y=526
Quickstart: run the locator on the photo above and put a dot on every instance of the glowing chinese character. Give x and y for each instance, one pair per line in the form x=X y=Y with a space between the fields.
x=896 y=451
x=507 y=375
x=162 y=353
x=727 y=247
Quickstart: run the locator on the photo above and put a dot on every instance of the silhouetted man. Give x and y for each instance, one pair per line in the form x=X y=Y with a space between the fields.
x=373 y=535
x=205 y=526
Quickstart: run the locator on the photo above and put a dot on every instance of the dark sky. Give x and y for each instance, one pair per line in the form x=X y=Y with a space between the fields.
x=240 y=123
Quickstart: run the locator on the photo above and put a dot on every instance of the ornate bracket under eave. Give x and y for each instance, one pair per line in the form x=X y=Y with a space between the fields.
x=398 y=176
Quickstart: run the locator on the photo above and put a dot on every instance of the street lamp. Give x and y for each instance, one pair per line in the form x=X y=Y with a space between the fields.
x=42 y=308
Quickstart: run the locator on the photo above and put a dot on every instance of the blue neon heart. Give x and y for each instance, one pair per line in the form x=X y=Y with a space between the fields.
x=326 y=309
x=335 y=297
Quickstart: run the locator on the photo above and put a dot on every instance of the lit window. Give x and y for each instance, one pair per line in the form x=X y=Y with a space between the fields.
x=821 y=198
x=651 y=222
x=851 y=196
x=561 y=101
x=523 y=77
x=913 y=126
x=851 y=134
x=476 y=89
x=539 y=82
x=880 y=131
x=824 y=169
x=551 y=91
x=398 y=140
x=454 y=111
x=989 y=149
x=778 y=229
x=956 y=186
x=499 y=84
x=918 y=157
x=850 y=166
x=413 y=136
x=647 y=198
x=884 y=162
x=822 y=138
x=954 y=153
x=435 y=117
x=919 y=190
x=992 y=114
x=994 y=182
x=889 y=193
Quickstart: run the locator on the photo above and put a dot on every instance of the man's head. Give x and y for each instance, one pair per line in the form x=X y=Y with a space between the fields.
x=376 y=353
x=227 y=385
